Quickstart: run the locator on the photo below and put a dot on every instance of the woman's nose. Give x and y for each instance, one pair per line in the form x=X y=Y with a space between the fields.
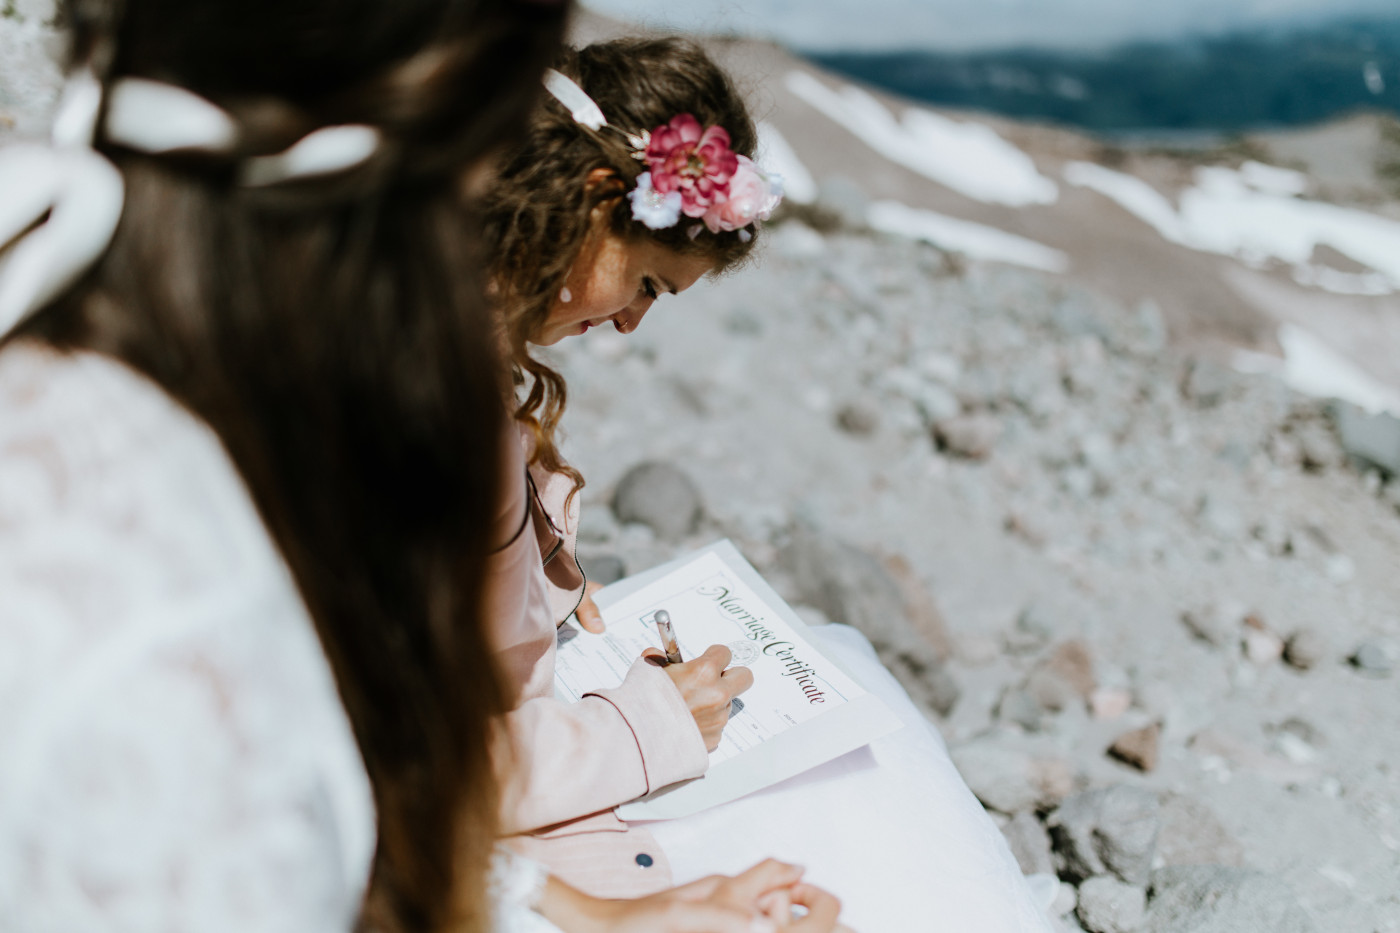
x=631 y=316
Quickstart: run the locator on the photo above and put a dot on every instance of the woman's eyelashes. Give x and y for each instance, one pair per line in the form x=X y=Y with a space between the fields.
x=649 y=287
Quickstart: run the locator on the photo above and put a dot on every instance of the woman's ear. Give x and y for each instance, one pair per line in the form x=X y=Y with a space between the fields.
x=603 y=184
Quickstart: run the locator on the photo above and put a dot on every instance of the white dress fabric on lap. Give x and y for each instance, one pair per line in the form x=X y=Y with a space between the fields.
x=891 y=829
x=173 y=752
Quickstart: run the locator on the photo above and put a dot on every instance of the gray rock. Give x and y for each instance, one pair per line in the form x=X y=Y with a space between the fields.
x=1272 y=532
x=1000 y=776
x=1205 y=383
x=1097 y=452
x=1318 y=446
x=933 y=689
x=1034 y=628
x=1072 y=664
x=1110 y=830
x=659 y=496
x=1219 y=516
x=1261 y=645
x=860 y=419
x=936 y=403
x=1306 y=648
x=1019 y=707
x=1007 y=778
x=1221 y=899
x=1107 y=905
x=1080 y=482
x=970 y=436
x=1285 y=451
x=1066 y=900
x=1191 y=834
x=855 y=588
x=1048 y=690
x=1030 y=843
x=1302 y=730
x=1391 y=493
x=602 y=568
x=1139 y=747
x=981 y=387
x=1073 y=317
x=849 y=585
x=1217 y=623
x=1372 y=660
x=1148 y=335
x=1372 y=439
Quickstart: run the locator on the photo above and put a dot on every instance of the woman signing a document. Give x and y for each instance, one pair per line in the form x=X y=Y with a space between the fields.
x=636 y=179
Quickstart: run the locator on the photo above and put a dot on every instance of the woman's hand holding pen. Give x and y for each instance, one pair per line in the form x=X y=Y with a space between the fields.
x=707 y=688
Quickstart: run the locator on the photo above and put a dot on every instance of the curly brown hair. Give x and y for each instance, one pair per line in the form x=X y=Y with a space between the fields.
x=540 y=210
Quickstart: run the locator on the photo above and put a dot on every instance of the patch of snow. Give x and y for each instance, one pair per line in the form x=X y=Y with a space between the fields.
x=1132 y=194
x=1271 y=179
x=969 y=158
x=1342 y=283
x=1375 y=81
x=776 y=154
x=1253 y=215
x=1313 y=368
x=961 y=236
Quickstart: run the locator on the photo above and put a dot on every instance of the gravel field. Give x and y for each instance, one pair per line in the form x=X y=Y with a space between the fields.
x=1097 y=563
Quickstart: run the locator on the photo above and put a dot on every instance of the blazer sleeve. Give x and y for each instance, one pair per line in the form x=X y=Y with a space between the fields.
x=558 y=761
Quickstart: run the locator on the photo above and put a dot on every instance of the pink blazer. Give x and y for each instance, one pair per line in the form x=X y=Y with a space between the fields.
x=562 y=767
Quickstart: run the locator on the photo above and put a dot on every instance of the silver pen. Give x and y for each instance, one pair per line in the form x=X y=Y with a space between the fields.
x=668 y=636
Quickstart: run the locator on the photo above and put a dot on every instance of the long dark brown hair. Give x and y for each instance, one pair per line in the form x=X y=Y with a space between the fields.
x=538 y=213
x=333 y=335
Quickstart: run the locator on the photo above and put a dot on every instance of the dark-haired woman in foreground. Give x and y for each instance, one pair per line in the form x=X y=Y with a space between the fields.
x=636 y=179
x=248 y=473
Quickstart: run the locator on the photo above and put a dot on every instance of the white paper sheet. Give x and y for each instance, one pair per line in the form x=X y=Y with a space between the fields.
x=802 y=710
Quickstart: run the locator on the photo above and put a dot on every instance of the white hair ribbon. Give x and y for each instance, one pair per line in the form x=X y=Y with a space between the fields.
x=152 y=117
x=327 y=150
x=82 y=194
x=79 y=190
x=582 y=107
x=60 y=203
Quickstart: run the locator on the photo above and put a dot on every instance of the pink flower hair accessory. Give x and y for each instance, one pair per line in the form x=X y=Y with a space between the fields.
x=753 y=195
x=691 y=170
x=693 y=160
x=694 y=173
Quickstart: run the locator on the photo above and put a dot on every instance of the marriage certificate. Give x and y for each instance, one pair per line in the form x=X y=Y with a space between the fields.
x=802 y=710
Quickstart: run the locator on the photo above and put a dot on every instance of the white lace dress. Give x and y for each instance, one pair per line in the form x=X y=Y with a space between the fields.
x=173 y=752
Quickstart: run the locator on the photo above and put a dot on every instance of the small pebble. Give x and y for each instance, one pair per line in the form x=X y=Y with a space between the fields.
x=1262 y=647
x=1139 y=747
x=1372 y=660
x=1107 y=703
x=858 y=419
x=1306 y=648
x=970 y=436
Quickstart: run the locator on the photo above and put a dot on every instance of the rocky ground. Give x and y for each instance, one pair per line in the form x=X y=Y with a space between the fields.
x=1150 y=602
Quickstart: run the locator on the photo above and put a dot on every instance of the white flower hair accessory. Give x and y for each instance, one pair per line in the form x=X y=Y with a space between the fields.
x=691 y=170
x=653 y=208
